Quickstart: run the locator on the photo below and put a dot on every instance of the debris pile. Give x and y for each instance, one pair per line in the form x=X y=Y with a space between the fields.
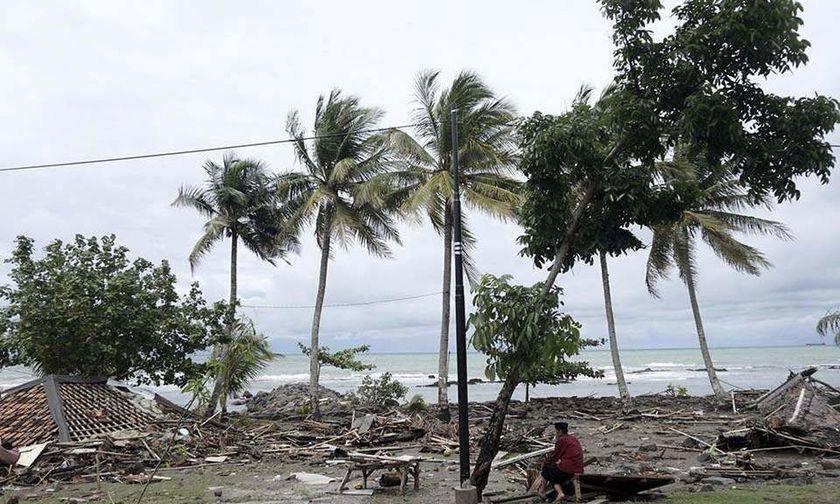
x=292 y=402
x=800 y=413
x=69 y=428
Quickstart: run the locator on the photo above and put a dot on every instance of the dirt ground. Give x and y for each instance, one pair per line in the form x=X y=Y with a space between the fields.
x=639 y=440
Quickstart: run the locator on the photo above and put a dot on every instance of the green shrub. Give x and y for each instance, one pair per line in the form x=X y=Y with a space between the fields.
x=417 y=404
x=382 y=392
x=676 y=390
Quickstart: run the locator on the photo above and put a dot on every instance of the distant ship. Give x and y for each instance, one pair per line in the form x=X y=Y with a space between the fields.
x=814 y=344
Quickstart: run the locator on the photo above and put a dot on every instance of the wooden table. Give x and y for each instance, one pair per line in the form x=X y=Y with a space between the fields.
x=405 y=467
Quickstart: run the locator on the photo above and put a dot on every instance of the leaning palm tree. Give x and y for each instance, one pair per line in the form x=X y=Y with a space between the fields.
x=829 y=326
x=715 y=219
x=239 y=203
x=425 y=183
x=339 y=191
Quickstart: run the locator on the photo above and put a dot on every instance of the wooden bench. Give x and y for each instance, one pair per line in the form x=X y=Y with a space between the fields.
x=403 y=466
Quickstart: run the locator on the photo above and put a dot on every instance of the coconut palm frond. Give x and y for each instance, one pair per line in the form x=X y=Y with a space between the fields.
x=829 y=326
x=685 y=255
x=740 y=256
x=748 y=224
x=196 y=198
x=660 y=258
x=214 y=231
x=244 y=358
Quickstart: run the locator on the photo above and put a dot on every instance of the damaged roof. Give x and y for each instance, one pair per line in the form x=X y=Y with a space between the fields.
x=66 y=408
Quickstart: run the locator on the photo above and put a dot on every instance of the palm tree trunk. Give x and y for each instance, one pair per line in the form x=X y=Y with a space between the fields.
x=616 y=358
x=701 y=336
x=314 y=363
x=446 y=298
x=219 y=350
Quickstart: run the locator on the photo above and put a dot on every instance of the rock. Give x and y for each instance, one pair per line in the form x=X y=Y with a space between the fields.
x=718 y=480
x=389 y=479
x=706 y=488
x=217 y=492
x=293 y=399
x=648 y=448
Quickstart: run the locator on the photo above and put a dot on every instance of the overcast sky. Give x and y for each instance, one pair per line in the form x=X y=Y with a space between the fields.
x=109 y=78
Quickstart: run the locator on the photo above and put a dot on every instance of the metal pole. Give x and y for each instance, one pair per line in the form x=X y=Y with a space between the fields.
x=460 y=322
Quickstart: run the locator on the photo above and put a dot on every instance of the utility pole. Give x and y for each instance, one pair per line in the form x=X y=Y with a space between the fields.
x=460 y=322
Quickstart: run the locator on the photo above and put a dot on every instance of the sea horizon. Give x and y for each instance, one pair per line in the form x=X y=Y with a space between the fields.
x=646 y=371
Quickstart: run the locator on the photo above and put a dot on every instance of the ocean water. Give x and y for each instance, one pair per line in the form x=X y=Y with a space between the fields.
x=647 y=371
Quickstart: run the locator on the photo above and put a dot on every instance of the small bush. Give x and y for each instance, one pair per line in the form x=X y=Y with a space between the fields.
x=381 y=393
x=676 y=390
x=417 y=404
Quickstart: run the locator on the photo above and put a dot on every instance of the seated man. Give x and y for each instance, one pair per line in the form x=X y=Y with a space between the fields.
x=564 y=462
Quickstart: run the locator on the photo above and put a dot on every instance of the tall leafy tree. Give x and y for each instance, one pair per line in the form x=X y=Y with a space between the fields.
x=85 y=307
x=626 y=196
x=829 y=326
x=339 y=191
x=527 y=339
x=425 y=178
x=239 y=202
x=715 y=218
x=699 y=84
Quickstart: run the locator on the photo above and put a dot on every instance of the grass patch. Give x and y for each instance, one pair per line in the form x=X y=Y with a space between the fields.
x=788 y=494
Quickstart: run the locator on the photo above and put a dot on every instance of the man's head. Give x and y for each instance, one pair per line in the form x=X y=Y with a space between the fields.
x=561 y=427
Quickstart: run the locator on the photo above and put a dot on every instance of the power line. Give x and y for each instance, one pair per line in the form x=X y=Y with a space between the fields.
x=191 y=151
x=340 y=305
x=205 y=149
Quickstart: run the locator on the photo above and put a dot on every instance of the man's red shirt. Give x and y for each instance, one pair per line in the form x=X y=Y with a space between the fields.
x=567 y=455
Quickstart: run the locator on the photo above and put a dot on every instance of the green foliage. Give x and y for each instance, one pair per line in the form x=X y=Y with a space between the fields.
x=342 y=359
x=676 y=390
x=382 y=392
x=243 y=358
x=423 y=177
x=416 y=404
x=829 y=326
x=714 y=217
x=239 y=201
x=241 y=361
x=338 y=188
x=566 y=156
x=196 y=388
x=699 y=85
x=524 y=335
x=85 y=308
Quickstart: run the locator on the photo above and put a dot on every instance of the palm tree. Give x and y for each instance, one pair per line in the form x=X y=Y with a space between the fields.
x=239 y=203
x=715 y=218
x=339 y=191
x=247 y=354
x=487 y=162
x=829 y=326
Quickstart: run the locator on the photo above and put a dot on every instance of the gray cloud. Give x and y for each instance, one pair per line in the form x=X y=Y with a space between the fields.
x=109 y=78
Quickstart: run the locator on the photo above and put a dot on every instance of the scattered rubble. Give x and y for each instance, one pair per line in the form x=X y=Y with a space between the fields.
x=788 y=434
